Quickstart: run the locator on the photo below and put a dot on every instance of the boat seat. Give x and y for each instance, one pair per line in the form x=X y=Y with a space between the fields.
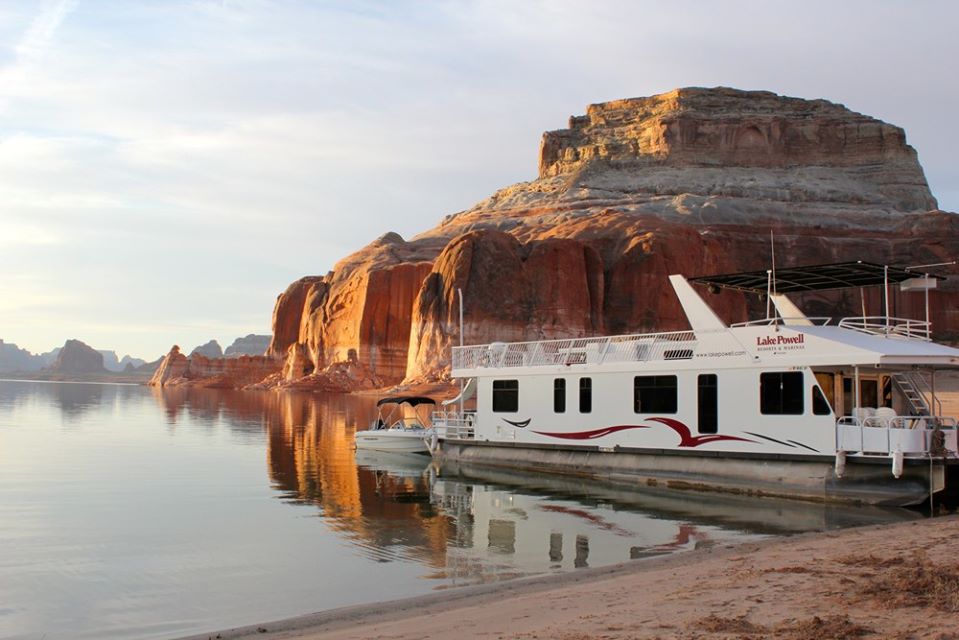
x=884 y=417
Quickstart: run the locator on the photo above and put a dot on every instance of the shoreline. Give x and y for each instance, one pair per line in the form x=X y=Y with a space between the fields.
x=828 y=583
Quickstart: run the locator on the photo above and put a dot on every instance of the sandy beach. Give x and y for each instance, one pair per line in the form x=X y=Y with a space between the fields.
x=887 y=581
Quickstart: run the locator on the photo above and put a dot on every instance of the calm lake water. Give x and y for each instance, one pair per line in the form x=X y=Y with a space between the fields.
x=129 y=512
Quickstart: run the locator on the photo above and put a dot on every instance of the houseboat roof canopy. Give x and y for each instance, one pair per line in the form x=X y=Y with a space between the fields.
x=822 y=277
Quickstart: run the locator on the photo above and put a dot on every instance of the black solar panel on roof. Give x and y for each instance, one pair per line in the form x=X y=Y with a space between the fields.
x=823 y=277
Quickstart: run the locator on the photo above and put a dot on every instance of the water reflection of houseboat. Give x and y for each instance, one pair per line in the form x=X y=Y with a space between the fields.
x=760 y=516
x=508 y=523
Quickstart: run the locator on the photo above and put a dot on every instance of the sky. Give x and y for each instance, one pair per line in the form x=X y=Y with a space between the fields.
x=168 y=168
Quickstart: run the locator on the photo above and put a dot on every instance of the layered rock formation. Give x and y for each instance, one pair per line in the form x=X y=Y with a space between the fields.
x=73 y=363
x=113 y=363
x=249 y=345
x=198 y=370
x=77 y=357
x=359 y=313
x=844 y=156
x=211 y=349
x=129 y=362
x=691 y=181
x=13 y=358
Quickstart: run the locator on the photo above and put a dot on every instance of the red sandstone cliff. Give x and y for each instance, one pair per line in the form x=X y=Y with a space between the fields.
x=357 y=316
x=689 y=182
x=225 y=373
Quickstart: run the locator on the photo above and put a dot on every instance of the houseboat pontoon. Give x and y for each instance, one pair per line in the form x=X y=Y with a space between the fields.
x=789 y=405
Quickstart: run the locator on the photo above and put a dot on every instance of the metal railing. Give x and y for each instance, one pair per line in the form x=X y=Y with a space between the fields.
x=452 y=425
x=677 y=345
x=816 y=320
x=889 y=327
x=924 y=386
x=912 y=435
x=900 y=422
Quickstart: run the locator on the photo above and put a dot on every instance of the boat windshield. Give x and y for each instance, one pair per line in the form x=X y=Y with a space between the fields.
x=404 y=412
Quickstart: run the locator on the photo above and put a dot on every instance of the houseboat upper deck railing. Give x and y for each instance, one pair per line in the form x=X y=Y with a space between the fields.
x=873 y=325
x=835 y=277
x=676 y=345
x=890 y=327
x=816 y=320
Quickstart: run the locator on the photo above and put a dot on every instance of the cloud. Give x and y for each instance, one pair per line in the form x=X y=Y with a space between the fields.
x=31 y=49
x=37 y=39
x=173 y=150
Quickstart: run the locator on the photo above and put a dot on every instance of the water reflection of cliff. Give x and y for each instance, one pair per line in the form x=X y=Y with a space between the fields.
x=310 y=460
x=73 y=399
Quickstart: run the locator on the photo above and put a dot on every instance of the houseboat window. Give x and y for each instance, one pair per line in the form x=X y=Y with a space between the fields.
x=781 y=393
x=654 y=394
x=506 y=396
x=708 y=397
x=559 y=395
x=868 y=393
x=585 y=395
x=827 y=384
x=820 y=406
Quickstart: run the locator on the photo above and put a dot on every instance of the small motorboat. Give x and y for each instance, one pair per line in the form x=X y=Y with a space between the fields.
x=400 y=425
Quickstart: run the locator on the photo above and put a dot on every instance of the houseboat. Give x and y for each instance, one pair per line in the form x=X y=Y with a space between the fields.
x=790 y=405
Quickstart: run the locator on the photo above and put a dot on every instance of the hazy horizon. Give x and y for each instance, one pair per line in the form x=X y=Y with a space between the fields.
x=184 y=348
x=169 y=168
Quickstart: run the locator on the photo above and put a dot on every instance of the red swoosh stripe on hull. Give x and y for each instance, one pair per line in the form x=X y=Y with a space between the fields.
x=589 y=435
x=687 y=439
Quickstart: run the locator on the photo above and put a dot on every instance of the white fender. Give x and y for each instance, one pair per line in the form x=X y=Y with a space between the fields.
x=897 y=462
x=840 y=464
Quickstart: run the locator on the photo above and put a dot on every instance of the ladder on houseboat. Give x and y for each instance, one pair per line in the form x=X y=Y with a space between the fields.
x=912 y=386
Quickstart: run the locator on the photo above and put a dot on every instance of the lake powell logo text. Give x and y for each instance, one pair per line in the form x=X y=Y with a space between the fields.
x=780 y=343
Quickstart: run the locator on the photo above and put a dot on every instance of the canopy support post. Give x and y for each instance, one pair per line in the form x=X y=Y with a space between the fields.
x=769 y=291
x=857 y=409
x=932 y=385
x=459 y=292
x=885 y=288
